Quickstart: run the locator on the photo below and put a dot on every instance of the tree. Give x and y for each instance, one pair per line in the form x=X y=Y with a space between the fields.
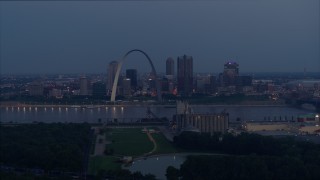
x=172 y=173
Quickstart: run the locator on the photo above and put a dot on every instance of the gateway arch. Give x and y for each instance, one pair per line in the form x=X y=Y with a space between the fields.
x=120 y=63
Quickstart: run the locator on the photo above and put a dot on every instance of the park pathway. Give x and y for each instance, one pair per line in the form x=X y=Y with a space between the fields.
x=154 y=143
x=100 y=144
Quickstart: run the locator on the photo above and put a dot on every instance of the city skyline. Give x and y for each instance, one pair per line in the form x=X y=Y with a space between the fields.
x=84 y=37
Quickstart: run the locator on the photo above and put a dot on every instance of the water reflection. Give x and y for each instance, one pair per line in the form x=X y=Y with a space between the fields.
x=156 y=165
x=133 y=113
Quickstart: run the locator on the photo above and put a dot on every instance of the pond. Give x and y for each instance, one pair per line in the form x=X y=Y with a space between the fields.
x=156 y=165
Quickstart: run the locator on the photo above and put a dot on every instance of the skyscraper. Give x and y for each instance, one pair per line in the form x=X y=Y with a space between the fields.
x=126 y=87
x=170 y=66
x=231 y=70
x=185 y=75
x=84 y=86
x=132 y=75
x=112 y=69
x=98 y=89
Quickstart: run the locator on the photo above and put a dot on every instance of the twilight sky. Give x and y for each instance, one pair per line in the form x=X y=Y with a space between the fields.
x=84 y=36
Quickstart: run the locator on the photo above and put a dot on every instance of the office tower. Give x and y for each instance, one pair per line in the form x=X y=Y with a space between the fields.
x=98 y=89
x=244 y=80
x=205 y=84
x=231 y=70
x=126 y=87
x=84 y=86
x=164 y=85
x=170 y=66
x=112 y=69
x=185 y=75
x=132 y=75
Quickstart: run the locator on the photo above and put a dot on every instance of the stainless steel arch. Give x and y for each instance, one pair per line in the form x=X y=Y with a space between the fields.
x=116 y=78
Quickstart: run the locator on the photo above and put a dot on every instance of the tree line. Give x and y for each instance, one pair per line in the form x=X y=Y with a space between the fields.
x=247 y=156
x=56 y=146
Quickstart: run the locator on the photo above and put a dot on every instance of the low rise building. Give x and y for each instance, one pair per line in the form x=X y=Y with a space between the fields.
x=266 y=126
x=205 y=123
x=310 y=129
x=186 y=120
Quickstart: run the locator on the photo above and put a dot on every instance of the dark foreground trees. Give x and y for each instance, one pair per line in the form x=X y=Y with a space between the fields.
x=245 y=144
x=244 y=167
x=122 y=174
x=246 y=156
x=57 y=146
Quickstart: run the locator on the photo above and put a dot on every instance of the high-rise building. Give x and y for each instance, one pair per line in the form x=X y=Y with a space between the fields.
x=205 y=84
x=244 y=80
x=231 y=70
x=126 y=87
x=98 y=89
x=112 y=69
x=185 y=75
x=84 y=90
x=170 y=66
x=132 y=75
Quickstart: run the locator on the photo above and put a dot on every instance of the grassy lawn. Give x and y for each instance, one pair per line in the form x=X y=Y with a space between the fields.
x=97 y=163
x=128 y=141
x=164 y=146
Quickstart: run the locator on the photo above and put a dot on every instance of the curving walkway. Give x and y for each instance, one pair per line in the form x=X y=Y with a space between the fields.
x=155 y=146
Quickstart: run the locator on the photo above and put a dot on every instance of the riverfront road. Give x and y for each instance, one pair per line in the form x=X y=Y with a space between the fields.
x=16 y=105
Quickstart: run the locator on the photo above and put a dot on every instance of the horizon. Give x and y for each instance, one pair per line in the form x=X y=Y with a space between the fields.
x=162 y=73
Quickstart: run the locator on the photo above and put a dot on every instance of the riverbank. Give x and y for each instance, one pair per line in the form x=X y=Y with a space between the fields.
x=139 y=104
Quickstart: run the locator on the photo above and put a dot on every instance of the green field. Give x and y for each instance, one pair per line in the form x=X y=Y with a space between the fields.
x=128 y=141
x=163 y=145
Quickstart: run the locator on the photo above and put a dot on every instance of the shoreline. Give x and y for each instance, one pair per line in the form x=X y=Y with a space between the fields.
x=18 y=104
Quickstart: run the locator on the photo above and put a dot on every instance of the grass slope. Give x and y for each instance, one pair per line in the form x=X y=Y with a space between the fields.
x=129 y=141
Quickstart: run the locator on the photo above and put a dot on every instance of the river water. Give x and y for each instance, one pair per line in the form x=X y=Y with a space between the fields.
x=157 y=165
x=134 y=113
